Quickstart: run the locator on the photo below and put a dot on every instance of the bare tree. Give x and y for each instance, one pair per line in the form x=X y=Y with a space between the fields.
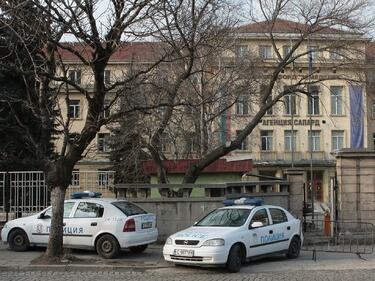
x=195 y=31
x=37 y=29
x=337 y=22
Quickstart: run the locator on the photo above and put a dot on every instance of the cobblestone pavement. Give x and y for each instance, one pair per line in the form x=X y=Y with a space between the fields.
x=150 y=266
x=349 y=275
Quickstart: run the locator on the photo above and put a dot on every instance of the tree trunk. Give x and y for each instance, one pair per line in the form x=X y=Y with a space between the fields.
x=55 y=243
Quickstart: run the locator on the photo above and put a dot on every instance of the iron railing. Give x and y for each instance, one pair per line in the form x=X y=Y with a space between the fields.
x=339 y=237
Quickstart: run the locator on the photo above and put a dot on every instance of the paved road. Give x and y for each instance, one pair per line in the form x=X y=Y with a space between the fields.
x=343 y=275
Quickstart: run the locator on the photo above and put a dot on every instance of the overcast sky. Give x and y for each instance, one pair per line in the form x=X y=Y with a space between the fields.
x=247 y=10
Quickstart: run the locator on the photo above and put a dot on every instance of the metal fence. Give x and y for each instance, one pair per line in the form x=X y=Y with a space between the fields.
x=2 y=192
x=26 y=192
x=339 y=237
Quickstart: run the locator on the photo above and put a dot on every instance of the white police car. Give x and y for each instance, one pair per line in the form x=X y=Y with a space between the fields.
x=107 y=225
x=228 y=236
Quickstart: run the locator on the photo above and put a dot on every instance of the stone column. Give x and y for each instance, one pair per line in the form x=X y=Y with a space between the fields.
x=356 y=184
x=297 y=180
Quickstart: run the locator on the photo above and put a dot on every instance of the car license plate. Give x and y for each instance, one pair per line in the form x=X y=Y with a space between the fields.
x=146 y=224
x=183 y=252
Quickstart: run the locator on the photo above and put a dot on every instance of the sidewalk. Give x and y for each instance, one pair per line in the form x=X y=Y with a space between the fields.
x=152 y=260
x=89 y=260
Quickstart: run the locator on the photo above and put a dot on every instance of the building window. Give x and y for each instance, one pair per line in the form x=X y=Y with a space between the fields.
x=242 y=105
x=103 y=145
x=164 y=143
x=286 y=51
x=334 y=54
x=241 y=51
x=107 y=77
x=337 y=140
x=373 y=110
x=313 y=101
x=103 y=177
x=315 y=53
x=192 y=143
x=290 y=140
x=75 y=178
x=265 y=52
x=75 y=76
x=244 y=143
x=314 y=140
x=106 y=111
x=74 y=109
x=336 y=100
x=266 y=140
x=263 y=92
x=290 y=104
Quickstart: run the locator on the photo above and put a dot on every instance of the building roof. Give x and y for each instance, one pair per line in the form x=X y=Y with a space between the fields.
x=180 y=166
x=285 y=26
x=126 y=52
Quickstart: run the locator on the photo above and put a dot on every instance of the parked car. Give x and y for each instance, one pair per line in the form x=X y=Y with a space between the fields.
x=106 y=225
x=230 y=235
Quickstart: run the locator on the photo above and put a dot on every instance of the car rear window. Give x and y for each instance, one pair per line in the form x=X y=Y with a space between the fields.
x=128 y=208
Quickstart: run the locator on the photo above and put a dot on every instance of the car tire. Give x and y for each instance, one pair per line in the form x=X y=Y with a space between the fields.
x=234 y=259
x=18 y=241
x=138 y=249
x=294 y=248
x=107 y=247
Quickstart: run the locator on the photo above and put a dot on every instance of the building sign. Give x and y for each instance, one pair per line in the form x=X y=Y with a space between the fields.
x=288 y=122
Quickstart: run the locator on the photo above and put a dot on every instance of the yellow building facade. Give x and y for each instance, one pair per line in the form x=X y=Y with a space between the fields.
x=284 y=137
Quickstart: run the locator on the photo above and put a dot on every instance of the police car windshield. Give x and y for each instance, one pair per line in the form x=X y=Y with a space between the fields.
x=225 y=217
x=128 y=208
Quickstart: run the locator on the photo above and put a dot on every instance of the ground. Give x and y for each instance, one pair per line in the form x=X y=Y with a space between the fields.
x=150 y=266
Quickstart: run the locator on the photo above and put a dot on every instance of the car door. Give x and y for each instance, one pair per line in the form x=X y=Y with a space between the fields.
x=84 y=224
x=259 y=236
x=282 y=228
x=42 y=224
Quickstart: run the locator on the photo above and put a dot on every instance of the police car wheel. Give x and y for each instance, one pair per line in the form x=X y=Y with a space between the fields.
x=294 y=248
x=107 y=247
x=234 y=259
x=138 y=249
x=18 y=241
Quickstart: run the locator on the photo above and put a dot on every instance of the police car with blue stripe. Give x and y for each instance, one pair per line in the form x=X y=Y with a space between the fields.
x=106 y=225
x=240 y=231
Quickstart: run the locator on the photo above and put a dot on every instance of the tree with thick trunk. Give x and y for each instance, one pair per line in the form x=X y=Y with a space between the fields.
x=35 y=30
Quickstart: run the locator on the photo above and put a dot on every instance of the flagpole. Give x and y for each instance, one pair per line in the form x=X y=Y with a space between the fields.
x=311 y=139
x=292 y=117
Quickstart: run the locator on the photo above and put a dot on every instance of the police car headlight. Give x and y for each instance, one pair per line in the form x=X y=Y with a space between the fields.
x=169 y=241
x=214 y=243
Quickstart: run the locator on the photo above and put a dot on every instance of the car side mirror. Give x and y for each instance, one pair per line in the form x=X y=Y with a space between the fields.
x=43 y=216
x=256 y=224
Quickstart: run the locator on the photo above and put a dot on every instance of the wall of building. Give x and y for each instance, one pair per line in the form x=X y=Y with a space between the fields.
x=356 y=185
x=175 y=214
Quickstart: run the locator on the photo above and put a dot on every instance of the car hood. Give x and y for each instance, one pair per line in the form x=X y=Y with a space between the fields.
x=22 y=221
x=204 y=233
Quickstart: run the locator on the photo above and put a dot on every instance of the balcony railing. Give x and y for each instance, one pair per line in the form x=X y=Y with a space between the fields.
x=287 y=156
